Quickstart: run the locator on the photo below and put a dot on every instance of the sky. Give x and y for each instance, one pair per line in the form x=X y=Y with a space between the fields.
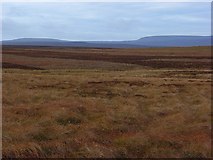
x=104 y=21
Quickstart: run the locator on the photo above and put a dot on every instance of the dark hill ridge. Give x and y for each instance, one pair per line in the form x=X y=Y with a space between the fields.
x=153 y=41
x=176 y=40
x=65 y=43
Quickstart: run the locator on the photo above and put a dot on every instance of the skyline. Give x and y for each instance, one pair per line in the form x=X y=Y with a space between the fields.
x=104 y=21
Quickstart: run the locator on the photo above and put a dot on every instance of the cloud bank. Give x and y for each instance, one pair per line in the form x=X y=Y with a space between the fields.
x=104 y=21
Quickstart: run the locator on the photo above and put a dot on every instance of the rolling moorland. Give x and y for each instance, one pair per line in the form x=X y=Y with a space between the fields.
x=106 y=102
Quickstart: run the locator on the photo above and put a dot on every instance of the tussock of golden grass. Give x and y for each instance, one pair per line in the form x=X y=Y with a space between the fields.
x=92 y=113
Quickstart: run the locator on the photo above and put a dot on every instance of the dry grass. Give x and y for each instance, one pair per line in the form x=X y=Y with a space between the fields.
x=107 y=59
x=95 y=113
x=54 y=63
x=170 y=51
x=112 y=103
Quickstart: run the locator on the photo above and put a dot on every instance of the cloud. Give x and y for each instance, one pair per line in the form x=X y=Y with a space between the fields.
x=29 y=1
x=104 y=21
x=189 y=19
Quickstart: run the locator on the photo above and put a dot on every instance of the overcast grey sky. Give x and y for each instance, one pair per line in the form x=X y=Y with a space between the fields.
x=104 y=21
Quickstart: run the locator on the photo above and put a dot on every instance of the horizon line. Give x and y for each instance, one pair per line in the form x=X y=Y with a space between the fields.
x=105 y=40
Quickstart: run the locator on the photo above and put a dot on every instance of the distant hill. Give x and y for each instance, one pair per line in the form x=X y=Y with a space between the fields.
x=64 y=43
x=153 y=41
x=170 y=41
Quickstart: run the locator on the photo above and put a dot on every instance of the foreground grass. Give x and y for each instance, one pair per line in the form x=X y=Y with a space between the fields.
x=95 y=113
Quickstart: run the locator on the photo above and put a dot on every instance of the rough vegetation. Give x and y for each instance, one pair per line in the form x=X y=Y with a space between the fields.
x=64 y=108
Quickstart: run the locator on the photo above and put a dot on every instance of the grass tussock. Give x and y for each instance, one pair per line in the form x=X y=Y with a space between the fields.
x=87 y=113
x=111 y=103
